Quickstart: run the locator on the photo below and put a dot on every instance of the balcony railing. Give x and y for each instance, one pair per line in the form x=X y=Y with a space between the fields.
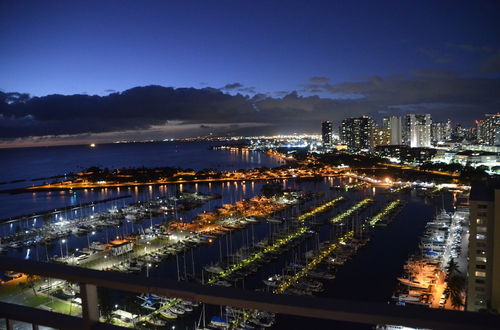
x=330 y=309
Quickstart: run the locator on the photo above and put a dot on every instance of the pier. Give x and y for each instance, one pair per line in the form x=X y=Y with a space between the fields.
x=61 y=209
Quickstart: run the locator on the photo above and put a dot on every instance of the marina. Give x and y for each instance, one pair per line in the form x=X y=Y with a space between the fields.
x=426 y=275
x=226 y=234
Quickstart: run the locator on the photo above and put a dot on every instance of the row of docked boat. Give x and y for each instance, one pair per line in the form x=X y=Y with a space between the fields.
x=164 y=309
x=440 y=243
x=60 y=227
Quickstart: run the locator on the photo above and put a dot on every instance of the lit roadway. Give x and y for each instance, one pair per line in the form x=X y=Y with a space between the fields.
x=275 y=174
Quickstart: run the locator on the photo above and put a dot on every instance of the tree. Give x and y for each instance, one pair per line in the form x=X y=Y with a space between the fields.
x=30 y=282
x=452 y=268
x=105 y=303
x=455 y=284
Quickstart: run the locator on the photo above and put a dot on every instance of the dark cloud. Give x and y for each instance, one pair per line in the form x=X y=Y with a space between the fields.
x=232 y=86
x=249 y=90
x=109 y=91
x=444 y=94
x=319 y=79
x=134 y=109
x=281 y=93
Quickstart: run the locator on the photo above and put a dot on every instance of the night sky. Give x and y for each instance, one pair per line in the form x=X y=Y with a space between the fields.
x=295 y=63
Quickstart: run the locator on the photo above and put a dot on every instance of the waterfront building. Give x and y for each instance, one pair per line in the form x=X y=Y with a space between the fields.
x=121 y=248
x=327 y=133
x=358 y=133
x=483 y=290
x=417 y=130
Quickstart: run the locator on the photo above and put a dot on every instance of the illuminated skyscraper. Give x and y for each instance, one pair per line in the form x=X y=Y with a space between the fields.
x=358 y=133
x=327 y=133
x=417 y=131
x=491 y=130
x=483 y=290
x=438 y=132
x=394 y=123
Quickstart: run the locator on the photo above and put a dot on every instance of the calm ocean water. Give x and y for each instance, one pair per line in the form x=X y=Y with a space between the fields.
x=34 y=163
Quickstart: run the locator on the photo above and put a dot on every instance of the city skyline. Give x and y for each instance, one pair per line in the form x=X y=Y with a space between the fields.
x=278 y=69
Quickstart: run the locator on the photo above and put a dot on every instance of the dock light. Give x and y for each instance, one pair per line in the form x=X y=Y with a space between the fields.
x=64 y=241
x=93 y=233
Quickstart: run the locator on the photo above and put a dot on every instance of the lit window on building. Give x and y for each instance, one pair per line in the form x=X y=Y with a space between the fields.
x=480 y=236
x=481 y=229
x=479 y=274
x=481 y=221
x=481 y=259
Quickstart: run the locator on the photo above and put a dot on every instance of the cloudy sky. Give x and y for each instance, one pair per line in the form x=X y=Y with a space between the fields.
x=73 y=72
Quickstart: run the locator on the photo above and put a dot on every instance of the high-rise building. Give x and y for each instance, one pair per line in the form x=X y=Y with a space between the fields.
x=483 y=290
x=357 y=133
x=395 y=126
x=327 y=133
x=417 y=130
x=386 y=122
x=491 y=129
x=438 y=132
x=447 y=130
x=458 y=133
x=381 y=136
x=480 y=134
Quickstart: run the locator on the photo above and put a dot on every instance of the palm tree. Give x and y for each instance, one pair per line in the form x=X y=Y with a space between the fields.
x=452 y=268
x=30 y=281
x=455 y=284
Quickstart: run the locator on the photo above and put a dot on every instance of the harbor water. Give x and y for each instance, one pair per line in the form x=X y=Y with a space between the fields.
x=369 y=276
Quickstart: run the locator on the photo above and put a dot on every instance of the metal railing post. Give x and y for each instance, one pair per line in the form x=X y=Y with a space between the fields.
x=90 y=308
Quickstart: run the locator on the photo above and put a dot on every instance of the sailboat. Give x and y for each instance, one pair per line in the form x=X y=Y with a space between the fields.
x=201 y=320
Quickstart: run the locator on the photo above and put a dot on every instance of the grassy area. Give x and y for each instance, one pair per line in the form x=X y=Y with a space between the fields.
x=34 y=301
x=12 y=288
x=64 y=308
